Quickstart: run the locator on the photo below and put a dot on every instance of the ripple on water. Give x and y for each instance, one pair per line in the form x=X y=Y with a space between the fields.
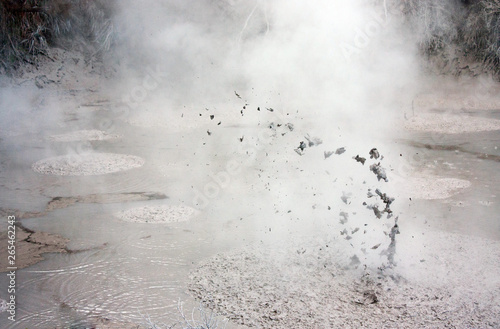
x=42 y=319
x=87 y=164
x=141 y=274
x=122 y=288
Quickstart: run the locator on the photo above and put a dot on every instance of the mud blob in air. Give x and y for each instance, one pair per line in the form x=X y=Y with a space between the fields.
x=87 y=164
x=158 y=214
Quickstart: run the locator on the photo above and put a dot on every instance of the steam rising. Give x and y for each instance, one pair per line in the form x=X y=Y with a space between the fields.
x=342 y=60
x=339 y=71
x=231 y=78
x=267 y=121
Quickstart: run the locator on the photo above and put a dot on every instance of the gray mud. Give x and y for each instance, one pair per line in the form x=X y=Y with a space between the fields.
x=287 y=289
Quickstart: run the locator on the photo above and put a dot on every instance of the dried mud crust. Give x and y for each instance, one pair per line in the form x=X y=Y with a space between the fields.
x=64 y=202
x=87 y=164
x=61 y=202
x=158 y=214
x=30 y=246
x=19 y=214
x=265 y=289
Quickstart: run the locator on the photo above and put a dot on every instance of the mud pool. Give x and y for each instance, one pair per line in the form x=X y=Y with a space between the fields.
x=124 y=270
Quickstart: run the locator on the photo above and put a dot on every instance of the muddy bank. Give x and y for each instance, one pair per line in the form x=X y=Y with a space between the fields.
x=454 y=148
x=480 y=94
x=433 y=187
x=19 y=214
x=455 y=109
x=450 y=123
x=30 y=247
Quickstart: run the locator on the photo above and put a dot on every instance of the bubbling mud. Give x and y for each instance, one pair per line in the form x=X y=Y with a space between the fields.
x=278 y=288
x=87 y=164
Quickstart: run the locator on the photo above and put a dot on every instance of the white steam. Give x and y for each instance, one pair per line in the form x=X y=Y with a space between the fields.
x=338 y=70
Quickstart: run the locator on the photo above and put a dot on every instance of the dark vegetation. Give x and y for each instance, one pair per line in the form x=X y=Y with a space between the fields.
x=29 y=27
x=456 y=36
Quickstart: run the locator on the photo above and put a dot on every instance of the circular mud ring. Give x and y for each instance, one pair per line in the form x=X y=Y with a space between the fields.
x=87 y=164
x=158 y=214
x=83 y=135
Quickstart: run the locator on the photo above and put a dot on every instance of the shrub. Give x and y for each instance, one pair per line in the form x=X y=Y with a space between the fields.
x=479 y=34
x=29 y=27
x=457 y=34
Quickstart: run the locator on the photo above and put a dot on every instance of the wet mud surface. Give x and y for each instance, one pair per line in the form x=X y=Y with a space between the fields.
x=269 y=220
